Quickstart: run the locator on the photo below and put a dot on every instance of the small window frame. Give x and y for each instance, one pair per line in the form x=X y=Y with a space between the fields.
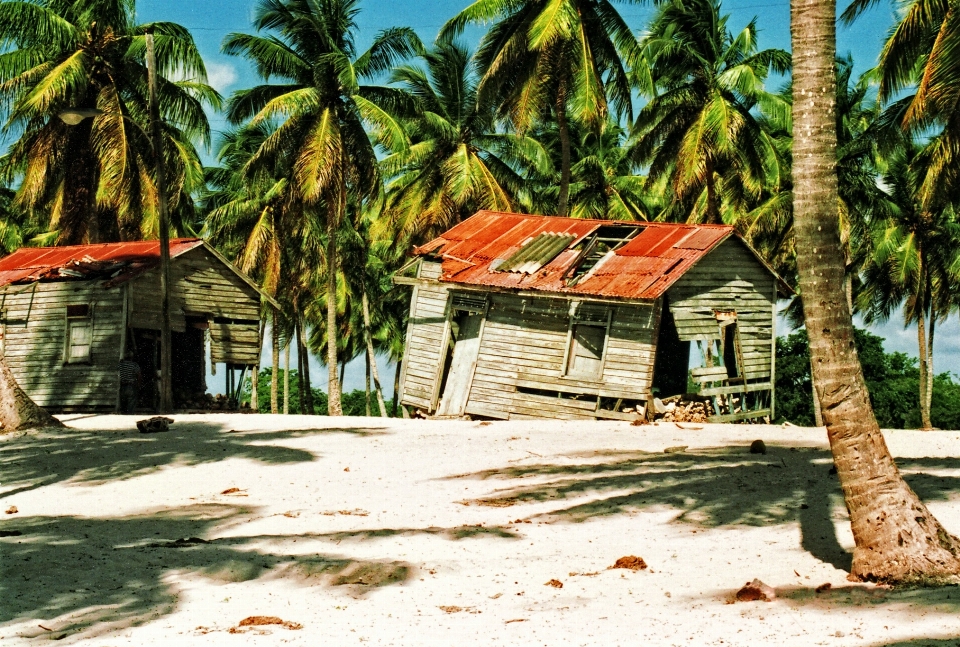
x=586 y=315
x=75 y=316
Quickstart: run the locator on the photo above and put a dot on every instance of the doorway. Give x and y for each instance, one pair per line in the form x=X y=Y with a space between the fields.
x=462 y=357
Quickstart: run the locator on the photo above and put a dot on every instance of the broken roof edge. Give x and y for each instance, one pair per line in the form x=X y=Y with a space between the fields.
x=530 y=293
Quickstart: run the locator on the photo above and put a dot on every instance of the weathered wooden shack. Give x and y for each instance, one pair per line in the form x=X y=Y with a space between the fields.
x=68 y=315
x=517 y=316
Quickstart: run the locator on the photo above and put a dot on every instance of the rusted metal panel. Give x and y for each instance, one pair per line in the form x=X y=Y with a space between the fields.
x=478 y=250
x=114 y=261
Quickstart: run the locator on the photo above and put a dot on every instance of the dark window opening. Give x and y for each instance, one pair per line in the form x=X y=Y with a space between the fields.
x=78 y=311
x=606 y=239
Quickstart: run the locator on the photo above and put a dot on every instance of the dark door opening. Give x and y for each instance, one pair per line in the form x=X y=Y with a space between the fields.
x=671 y=366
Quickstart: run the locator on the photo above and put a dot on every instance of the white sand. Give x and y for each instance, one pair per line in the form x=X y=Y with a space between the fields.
x=372 y=555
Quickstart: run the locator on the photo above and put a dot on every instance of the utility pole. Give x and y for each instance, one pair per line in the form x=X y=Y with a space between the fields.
x=166 y=389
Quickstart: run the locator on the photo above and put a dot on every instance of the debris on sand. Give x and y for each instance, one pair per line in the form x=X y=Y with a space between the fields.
x=758 y=447
x=232 y=490
x=557 y=584
x=261 y=621
x=826 y=586
x=11 y=510
x=756 y=590
x=455 y=609
x=630 y=562
x=154 y=425
x=678 y=449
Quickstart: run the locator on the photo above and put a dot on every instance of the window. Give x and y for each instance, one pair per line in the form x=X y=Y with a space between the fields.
x=79 y=337
x=588 y=336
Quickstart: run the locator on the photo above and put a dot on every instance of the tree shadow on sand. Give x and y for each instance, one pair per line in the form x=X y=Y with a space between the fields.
x=42 y=458
x=96 y=575
x=711 y=487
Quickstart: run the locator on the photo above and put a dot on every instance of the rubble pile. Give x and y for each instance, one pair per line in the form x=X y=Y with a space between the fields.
x=682 y=408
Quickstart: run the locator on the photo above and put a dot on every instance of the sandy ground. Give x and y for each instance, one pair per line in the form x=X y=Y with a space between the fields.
x=446 y=533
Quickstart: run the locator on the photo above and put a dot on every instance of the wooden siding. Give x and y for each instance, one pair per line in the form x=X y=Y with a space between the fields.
x=35 y=341
x=524 y=345
x=202 y=286
x=426 y=336
x=729 y=278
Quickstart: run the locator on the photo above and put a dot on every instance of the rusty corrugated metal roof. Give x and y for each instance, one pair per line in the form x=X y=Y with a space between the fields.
x=642 y=268
x=115 y=261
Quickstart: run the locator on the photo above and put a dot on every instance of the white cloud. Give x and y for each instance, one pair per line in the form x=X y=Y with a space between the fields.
x=221 y=76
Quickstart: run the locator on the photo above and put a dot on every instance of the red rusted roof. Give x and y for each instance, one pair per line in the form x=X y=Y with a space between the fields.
x=116 y=261
x=643 y=268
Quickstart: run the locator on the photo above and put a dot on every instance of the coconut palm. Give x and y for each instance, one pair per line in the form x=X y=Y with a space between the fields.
x=320 y=109
x=86 y=59
x=699 y=127
x=914 y=251
x=604 y=181
x=454 y=161
x=896 y=537
x=921 y=58
x=564 y=57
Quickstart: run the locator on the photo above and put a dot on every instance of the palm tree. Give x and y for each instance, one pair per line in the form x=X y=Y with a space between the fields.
x=699 y=127
x=921 y=54
x=915 y=250
x=86 y=58
x=604 y=182
x=453 y=162
x=560 y=56
x=320 y=110
x=897 y=539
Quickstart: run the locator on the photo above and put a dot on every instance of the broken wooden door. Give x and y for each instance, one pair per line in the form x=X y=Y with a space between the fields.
x=465 y=352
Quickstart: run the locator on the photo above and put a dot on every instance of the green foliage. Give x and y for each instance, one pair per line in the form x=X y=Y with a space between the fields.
x=892 y=379
x=354 y=402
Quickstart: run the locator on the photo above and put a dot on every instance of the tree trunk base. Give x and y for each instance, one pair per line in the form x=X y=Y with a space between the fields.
x=17 y=411
x=924 y=553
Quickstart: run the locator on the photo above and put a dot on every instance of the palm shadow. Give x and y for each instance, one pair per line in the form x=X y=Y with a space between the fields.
x=95 y=575
x=50 y=456
x=711 y=487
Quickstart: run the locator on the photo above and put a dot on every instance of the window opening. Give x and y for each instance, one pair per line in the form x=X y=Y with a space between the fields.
x=593 y=248
x=588 y=338
x=79 y=334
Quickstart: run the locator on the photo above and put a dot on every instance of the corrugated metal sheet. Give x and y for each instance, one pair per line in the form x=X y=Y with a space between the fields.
x=536 y=253
x=116 y=261
x=644 y=268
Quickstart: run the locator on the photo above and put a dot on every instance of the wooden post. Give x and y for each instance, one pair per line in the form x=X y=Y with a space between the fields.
x=166 y=384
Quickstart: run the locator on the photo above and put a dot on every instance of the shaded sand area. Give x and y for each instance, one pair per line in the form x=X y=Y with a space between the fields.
x=367 y=532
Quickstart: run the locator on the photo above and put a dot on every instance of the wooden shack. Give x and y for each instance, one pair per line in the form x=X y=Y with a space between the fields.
x=68 y=315
x=518 y=316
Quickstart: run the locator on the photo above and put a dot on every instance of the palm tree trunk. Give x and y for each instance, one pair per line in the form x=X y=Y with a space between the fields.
x=924 y=360
x=561 y=108
x=305 y=375
x=334 y=406
x=930 y=373
x=17 y=410
x=366 y=390
x=396 y=385
x=275 y=350
x=371 y=356
x=286 y=378
x=713 y=208
x=255 y=379
x=296 y=340
x=897 y=539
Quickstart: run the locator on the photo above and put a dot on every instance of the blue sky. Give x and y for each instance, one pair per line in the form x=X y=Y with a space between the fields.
x=211 y=20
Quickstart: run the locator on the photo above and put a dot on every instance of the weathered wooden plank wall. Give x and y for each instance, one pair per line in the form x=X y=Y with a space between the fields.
x=35 y=341
x=524 y=345
x=729 y=278
x=202 y=286
x=426 y=335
